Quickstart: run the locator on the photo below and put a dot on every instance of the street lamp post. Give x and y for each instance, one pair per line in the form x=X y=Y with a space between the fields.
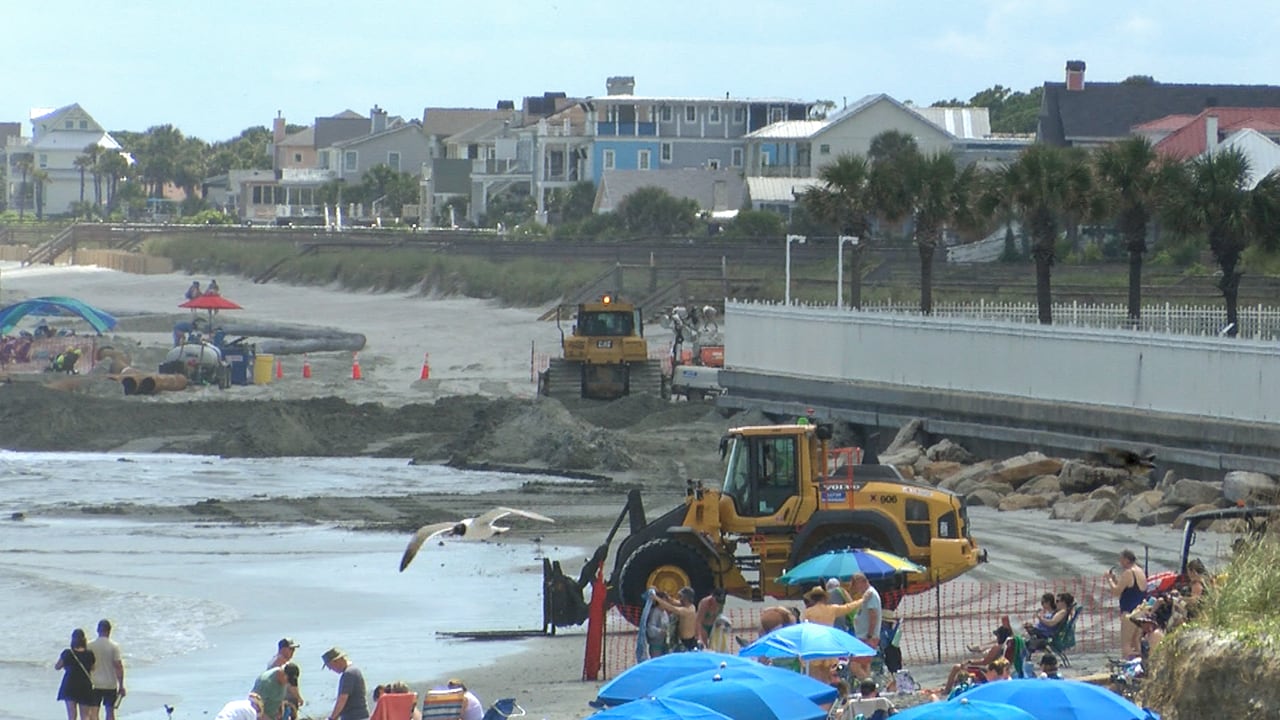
x=790 y=239
x=840 y=243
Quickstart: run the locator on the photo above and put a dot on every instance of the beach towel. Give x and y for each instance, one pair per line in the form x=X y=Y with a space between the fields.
x=721 y=636
x=642 y=627
x=394 y=706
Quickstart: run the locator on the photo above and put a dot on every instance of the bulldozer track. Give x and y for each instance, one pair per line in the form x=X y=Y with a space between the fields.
x=562 y=380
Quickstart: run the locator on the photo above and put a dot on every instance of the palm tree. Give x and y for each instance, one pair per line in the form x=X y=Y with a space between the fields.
x=1047 y=185
x=24 y=163
x=1129 y=173
x=39 y=176
x=82 y=163
x=942 y=194
x=843 y=201
x=894 y=158
x=1216 y=197
x=113 y=166
x=94 y=153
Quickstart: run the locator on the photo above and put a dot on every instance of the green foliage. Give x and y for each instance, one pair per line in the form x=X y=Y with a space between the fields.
x=211 y=217
x=510 y=208
x=653 y=212
x=598 y=226
x=572 y=205
x=522 y=282
x=1246 y=600
x=1010 y=112
x=755 y=224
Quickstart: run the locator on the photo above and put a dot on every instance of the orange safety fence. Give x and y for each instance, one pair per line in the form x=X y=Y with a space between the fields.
x=936 y=626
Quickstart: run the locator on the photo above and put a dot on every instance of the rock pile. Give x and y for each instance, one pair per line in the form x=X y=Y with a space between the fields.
x=1116 y=487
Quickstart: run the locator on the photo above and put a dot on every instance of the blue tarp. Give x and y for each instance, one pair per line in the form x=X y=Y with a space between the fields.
x=55 y=306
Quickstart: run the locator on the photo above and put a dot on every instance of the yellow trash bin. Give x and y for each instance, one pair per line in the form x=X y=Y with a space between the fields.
x=264 y=368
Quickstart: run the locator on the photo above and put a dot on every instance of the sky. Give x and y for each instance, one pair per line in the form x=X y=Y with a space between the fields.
x=214 y=69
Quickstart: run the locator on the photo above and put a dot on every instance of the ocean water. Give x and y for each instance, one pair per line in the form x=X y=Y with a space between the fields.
x=198 y=608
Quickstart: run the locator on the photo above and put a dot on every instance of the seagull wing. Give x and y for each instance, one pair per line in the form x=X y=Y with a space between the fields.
x=425 y=533
x=500 y=512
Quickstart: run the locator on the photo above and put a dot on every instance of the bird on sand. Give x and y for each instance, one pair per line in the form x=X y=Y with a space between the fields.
x=481 y=527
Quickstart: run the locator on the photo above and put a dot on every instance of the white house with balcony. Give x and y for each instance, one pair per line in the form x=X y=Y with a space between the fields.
x=58 y=138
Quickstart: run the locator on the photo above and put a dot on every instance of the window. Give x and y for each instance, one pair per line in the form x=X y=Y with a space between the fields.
x=393 y=161
x=665 y=152
x=917 y=517
x=777 y=114
x=297 y=157
x=713 y=164
x=713 y=114
x=84 y=124
x=824 y=149
x=71 y=124
x=350 y=161
x=44 y=160
x=611 y=114
x=664 y=113
x=690 y=113
x=739 y=114
x=324 y=159
x=642 y=160
x=736 y=157
x=608 y=160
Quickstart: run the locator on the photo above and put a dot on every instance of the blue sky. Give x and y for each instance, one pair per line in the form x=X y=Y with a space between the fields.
x=213 y=69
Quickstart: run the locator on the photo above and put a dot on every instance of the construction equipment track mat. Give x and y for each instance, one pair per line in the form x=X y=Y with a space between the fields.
x=647 y=379
x=561 y=380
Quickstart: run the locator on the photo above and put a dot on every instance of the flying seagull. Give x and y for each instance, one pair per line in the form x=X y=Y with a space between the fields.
x=476 y=528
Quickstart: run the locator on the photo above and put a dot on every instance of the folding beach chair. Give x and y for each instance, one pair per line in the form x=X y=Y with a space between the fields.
x=444 y=704
x=394 y=706
x=1065 y=638
x=503 y=709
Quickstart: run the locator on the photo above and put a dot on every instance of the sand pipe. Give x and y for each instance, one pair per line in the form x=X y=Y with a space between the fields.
x=153 y=383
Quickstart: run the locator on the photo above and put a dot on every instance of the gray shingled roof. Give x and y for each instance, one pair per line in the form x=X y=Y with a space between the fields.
x=696 y=184
x=1103 y=111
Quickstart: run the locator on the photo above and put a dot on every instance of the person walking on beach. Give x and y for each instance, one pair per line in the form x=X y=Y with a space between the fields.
x=284 y=652
x=351 y=703
x=76 y=690
x=108 y=670
x=1129 y=588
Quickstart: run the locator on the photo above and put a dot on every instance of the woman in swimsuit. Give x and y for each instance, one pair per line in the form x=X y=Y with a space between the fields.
x=1129 y=587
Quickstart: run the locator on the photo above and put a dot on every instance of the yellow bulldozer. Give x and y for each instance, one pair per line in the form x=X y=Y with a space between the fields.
x=786 y=498
x=605 y=356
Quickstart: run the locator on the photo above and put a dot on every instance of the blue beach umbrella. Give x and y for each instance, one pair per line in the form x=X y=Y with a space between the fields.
x=643 y=679
x=844 y=564
x=660 y=709
x=1061 y=700
x=747 y=700
x=815 y=690
x=807 y=641
x=963 y=708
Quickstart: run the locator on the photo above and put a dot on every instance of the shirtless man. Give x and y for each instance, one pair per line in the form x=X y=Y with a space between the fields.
x=821 y=610
x=685 y=613
x=708 y=610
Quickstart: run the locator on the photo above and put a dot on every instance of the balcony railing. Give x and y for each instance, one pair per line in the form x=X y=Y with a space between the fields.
x=645 y=129
x=794 y=171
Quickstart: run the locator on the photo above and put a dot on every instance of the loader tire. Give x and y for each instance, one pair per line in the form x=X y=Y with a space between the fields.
x=667 y=565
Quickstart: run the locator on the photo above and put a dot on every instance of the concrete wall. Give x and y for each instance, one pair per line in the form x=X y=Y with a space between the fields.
x=1211 y=377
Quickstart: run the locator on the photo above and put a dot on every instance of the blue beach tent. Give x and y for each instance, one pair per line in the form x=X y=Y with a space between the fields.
x=55 y=306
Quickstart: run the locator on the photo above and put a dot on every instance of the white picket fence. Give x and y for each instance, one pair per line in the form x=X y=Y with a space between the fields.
x=1257 y=322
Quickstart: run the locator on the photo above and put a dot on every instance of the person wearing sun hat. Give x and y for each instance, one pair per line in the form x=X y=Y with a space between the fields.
x=351 y=703
x=249 y=708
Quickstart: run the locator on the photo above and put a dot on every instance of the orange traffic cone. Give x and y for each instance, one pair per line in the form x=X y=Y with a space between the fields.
x=306 y=368
x=279 y=369
x=355 y=367
x=426 y=367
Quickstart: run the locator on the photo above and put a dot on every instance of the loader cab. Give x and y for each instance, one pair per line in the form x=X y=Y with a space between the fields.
x=608 y=318
x=762 y=473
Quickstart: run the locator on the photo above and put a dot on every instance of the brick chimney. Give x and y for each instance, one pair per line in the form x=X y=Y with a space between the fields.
x=277 y=128
x=1075 y=75
x=377 y=120
x=621 y=85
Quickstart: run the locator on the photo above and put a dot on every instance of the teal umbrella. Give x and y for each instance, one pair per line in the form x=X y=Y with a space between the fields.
x=844 y=564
